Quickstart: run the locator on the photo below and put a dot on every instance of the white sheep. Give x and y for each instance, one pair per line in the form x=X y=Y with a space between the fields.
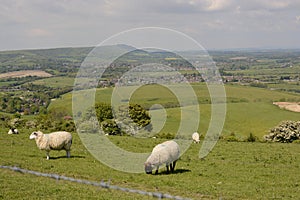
x=195 y=137
x=13 y=131
x=164 y=153
x=53 y=141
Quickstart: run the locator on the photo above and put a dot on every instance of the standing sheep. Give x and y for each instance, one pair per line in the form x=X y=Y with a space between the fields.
x=53 y=141
x=164 y=153
x=195 y=137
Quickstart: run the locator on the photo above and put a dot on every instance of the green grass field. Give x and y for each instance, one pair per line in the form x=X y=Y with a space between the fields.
x=56 y=82
x=249 y=109
x=233 y=170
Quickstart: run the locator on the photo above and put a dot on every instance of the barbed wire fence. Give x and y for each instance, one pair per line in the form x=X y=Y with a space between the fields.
x=101 y=184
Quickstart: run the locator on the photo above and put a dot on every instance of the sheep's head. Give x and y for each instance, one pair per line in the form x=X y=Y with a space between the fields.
x=35 y=135
x=148 y=168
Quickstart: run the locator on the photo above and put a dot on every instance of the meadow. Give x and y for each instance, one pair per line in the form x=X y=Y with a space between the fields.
x=233 y=170
x=56 y=82
x=249 y=109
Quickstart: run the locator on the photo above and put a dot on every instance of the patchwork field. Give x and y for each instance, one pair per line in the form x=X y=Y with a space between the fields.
x=249 y=109
x=24 y=73
x=234 y=169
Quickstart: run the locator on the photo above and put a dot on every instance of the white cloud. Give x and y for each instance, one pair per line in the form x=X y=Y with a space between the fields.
x=217 y=5
x=298 y=19
x=85 y=22
x=38 y=32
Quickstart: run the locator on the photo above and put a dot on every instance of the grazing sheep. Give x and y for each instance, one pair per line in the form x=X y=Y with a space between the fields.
x=53 y=141
x=13 y=131
x=195 y=137
x=164 y=153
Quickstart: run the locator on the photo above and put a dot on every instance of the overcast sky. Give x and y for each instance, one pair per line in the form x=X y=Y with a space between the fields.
x=215 y=24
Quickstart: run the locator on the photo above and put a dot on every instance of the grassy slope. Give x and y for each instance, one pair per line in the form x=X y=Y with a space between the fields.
x=56 y=82
x=231 y=171
x=249 y=110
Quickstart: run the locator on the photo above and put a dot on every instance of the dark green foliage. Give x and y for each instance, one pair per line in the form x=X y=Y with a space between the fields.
x=165 y=135
x=129 y=118
x=55 y=121
x=134 y=118
x=110 y=127
x=139 y=115
x=232 y=138
x=4 y=120
x=103 y=111
x=251 y=138
x=32 y=99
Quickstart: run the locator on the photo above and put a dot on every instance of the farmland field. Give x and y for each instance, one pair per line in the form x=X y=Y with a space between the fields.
x=249 y=109
x=56 y=82
x=24 y=73
x=233 y=170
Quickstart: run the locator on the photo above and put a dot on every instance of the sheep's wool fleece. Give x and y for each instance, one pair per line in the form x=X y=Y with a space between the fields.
x=166 y=152
x=195 y=136
x=55 y=141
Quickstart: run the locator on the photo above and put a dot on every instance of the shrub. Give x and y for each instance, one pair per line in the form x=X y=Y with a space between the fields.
x=231 y=138
x=165 y=135
x=110 y=127
x=286 y=132
x=103 y=111
x=251 y=138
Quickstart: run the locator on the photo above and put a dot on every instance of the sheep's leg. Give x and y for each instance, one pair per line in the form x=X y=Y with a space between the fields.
x=156 y=172
x=68 y=154
x=168 y=168
x=173 y=166
x=48 y=156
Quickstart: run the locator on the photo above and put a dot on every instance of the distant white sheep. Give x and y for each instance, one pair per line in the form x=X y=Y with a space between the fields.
x=13 y=131
x=54 y=141
x=196 y=137
x=165 y=153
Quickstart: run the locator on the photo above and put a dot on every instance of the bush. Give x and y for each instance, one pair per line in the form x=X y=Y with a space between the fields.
x=231 y=138
x=165 y=135
x=286 y=132
x=103 y=111
x=251 y=138
x=110 y=127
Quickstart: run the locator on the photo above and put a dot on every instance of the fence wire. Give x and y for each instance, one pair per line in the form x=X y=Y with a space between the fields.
x=101 y=184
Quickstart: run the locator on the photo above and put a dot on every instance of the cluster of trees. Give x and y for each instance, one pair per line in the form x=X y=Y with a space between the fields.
x=51 y=121
x=31 y=99
x=126 y=120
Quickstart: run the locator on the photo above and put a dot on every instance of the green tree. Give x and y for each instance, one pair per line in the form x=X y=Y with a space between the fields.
x=103 y=111
x=139 y=115
x=110 y=127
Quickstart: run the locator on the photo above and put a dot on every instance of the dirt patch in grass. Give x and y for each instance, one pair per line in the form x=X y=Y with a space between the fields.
x=291 y=106
x=24 y=73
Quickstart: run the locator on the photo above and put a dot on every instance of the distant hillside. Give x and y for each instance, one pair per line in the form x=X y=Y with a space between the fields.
x=55 y=61
x=59 y=59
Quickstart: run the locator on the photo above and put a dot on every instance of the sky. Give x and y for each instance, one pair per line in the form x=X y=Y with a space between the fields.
x=215 y=24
